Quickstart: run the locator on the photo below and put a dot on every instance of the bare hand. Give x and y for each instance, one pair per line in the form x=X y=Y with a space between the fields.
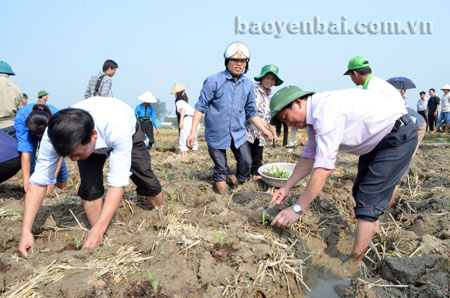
x=274 y=136
x=267 y=134
x=285 y=218
x=157 y=131
x=180 y=126
x=26 y=242
x=50 y=189
x=94 y=238
x=280 y=196
x=190 y=141
x=288 y=154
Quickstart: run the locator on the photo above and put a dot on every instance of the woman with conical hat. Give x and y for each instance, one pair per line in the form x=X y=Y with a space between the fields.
x=147 y=117
x=266 y=80
x=185 y=113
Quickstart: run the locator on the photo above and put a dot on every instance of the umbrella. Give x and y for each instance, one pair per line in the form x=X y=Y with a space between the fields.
x=402 y=83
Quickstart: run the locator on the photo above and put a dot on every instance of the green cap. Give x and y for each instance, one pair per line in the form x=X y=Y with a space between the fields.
x=42 y=93
x=357 y=63
x=6 y=68
x=269 y=68
x=282 y=98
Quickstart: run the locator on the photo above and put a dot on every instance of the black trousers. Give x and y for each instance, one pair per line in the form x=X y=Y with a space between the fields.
x=285 y=132
x=147 y=129
x=257 y=156
x=9 y=168
x=432 y=120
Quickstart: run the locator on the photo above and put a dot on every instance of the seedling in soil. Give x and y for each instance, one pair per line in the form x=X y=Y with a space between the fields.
x=66 y=201
x=264 y=217
x=188 y=174
x=276 y=172
x=330 y=182
x=153 y=281
x=70 y=182
x=228 y=281
x=78 y=243
x=172 y=197
x=165 y=174
x=200 y=198
x=219 y=237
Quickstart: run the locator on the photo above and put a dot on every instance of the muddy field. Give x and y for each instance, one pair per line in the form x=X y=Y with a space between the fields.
x=201 y=244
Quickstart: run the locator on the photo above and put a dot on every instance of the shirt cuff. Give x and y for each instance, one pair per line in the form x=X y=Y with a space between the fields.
x=41 y=180
x=321 y=162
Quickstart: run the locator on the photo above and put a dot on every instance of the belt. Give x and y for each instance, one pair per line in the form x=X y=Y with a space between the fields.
x=144 y=120
x=403 y=121
x=187 y=116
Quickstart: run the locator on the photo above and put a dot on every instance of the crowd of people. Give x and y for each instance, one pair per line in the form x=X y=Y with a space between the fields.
x=239 y=115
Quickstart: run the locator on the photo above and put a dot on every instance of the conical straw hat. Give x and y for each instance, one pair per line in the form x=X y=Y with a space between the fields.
x=147 y=97
x=177 y=88
x=446 y=87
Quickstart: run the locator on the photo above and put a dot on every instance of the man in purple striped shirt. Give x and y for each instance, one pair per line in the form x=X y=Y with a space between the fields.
x=353 y=121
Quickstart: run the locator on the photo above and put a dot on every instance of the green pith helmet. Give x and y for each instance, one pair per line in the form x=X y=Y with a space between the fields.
x=265 y=70
x=6 y=68
x=282 y=98
x=357 y=63
x=42 y=93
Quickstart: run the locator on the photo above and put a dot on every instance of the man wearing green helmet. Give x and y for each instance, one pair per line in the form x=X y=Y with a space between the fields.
x=352 y=121
x=11 y=99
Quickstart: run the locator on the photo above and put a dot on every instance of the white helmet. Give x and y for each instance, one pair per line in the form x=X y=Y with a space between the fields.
x=237 y=50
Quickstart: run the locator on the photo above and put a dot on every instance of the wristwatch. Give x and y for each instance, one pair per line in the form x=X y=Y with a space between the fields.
x=297 y=209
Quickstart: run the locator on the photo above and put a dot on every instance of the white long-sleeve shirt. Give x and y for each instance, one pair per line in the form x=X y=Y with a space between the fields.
x=115 y=124
x=351 y=120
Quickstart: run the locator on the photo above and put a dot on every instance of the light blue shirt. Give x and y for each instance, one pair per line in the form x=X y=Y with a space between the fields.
x=227 y=104
x=150 y=113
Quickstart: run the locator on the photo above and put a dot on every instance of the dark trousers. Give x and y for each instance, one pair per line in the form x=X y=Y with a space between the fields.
x=424 y=115
x=257 y=156
x=147 y=129
x=432 y=120
x=91 y=172
x=244 y=162
x=285 y=131
x=380 y=170
x=9 y=168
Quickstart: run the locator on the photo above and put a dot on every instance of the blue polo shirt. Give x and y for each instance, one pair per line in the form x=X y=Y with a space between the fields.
x=227 y=105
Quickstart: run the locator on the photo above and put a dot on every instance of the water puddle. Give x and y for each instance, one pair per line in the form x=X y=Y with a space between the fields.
x=326 y=288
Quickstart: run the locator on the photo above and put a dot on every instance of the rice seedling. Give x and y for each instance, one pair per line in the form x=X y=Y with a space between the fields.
x=78 y=243
x=330 y=182
x=153 y=281
x=219 y=237
x=188 y=174
x=276 y=172
x=263 y=217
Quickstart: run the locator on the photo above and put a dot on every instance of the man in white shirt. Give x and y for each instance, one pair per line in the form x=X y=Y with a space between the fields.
x=90 y=132
x=352 y=121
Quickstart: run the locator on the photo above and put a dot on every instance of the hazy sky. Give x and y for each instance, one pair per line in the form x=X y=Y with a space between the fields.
x=58 y=45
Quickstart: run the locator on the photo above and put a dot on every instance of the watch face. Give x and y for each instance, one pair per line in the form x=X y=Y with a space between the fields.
x=297 y=208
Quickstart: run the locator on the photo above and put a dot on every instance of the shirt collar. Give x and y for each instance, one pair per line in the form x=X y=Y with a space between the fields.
x=366 y=82
x=262 y=90
x=309 y=118
x=229 y=76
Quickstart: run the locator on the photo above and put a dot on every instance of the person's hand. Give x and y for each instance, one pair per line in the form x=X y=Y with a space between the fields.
x=26 y=242
x=288 y=154
x=157 y=131
x=286 y=218
x=280 y=196
x=267 y=134
x=94 y=238
x=190 y=141
x=435 y=113
x=180 y=126
x=274 y=136
x=50 y=189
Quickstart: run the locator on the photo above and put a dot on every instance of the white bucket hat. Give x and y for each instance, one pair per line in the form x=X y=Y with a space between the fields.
x=446 y=87
x=147 y=97
x=177 y=88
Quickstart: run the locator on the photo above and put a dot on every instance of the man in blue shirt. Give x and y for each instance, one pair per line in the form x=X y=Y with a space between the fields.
x=228 y=100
